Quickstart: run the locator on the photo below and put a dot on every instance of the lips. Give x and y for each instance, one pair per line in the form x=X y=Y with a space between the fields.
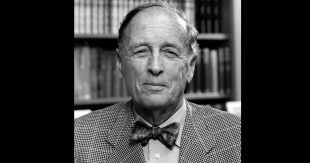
x=154 y=86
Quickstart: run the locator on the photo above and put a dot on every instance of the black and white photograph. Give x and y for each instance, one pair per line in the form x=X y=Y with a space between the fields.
x=157 y=81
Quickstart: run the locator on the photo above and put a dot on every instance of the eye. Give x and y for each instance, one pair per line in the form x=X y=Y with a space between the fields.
x=170 y=53
x=141 y=52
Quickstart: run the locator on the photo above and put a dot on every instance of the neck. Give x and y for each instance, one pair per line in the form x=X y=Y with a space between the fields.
x=158 y=115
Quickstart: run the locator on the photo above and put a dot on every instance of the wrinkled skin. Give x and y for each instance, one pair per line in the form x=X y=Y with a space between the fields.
x=155 y=63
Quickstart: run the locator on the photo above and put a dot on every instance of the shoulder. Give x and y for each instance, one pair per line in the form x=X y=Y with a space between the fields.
x=215 y=119
x=102 y=118
x=224 y=128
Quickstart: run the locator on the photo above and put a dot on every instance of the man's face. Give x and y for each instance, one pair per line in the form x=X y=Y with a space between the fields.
x=155 y=63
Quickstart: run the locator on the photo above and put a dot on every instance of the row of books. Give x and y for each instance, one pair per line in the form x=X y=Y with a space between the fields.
x=212 y=72
x=96 y=76
x=105 y=16
x=209 y=17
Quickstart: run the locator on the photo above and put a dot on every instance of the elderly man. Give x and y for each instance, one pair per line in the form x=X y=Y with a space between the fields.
x=156 y=56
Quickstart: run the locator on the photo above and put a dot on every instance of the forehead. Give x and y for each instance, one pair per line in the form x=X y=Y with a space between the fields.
x=157 y=22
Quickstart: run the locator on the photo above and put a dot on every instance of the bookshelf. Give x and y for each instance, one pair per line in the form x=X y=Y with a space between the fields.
x=201 y=37
x=96 y=82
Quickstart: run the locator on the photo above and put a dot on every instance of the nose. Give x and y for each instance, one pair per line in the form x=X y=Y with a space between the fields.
x=155 y=65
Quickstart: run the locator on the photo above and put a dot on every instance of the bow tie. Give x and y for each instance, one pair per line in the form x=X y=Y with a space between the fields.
x=143 y=133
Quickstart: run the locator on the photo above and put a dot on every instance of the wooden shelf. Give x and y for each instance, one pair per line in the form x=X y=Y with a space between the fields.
x=211 y=37
x=92 y=36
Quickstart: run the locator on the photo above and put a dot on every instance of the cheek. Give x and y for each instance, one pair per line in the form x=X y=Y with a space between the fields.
x=132 y=70
x=177 y=71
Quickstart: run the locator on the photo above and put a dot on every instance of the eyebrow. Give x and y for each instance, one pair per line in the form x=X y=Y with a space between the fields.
x=165 y=44
x=136 y=45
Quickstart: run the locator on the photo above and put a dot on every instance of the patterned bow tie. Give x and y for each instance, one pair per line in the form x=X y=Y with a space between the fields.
x=166 y=135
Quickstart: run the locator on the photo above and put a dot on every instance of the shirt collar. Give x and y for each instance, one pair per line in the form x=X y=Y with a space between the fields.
x=178 y=116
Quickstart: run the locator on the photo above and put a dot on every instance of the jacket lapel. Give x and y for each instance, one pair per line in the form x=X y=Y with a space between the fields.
x=196 y=141
x=119 y=138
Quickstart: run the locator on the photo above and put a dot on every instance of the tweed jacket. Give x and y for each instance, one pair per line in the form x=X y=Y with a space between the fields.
x=209 y=135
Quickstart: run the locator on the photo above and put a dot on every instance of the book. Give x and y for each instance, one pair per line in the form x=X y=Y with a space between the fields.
x=215 y=16
x=208 y=16
x=219 y=16
x=87 y=16
x=114 y=17
x=207 y=70
x=76 y=17
x=85 y=73
x=77 y=85
x=93 y=73
x=102 y=70
x=107 y=16
x=82 y=16
x=94 y=19
x=228 y=71
x=100 y=16
x=198 y=78
x=214 y=71
x=221 y=73
x=203 y=13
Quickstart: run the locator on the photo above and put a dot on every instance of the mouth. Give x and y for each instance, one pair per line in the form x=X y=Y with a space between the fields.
x=155 y=86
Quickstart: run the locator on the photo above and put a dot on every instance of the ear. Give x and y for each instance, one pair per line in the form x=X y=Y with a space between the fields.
x=191 y=71
x=118 y=63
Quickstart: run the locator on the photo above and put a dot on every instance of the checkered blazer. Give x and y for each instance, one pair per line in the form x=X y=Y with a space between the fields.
x=209 y=135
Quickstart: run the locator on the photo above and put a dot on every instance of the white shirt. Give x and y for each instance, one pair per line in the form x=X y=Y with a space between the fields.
x=155 y=151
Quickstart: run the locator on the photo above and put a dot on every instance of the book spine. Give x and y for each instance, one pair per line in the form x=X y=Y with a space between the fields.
x=114 y=17
x=207 y=70
x=214 y=72
x=228 y=70
x=88 y=17
x=85 y=68
x=82 y=16
x=220 y=16
x=208 y=16
x=203 y=16
x=94 y=75
x=215 y=16
x=77 y=86
x=76 y=16
x=95 y=16
x=100 y=16
x=109 y=72
x=107 y=19
x=102 y=73
x=198 y=72
x=221 y=73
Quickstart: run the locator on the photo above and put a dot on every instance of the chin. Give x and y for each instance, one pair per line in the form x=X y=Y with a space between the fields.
x=152 y=101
